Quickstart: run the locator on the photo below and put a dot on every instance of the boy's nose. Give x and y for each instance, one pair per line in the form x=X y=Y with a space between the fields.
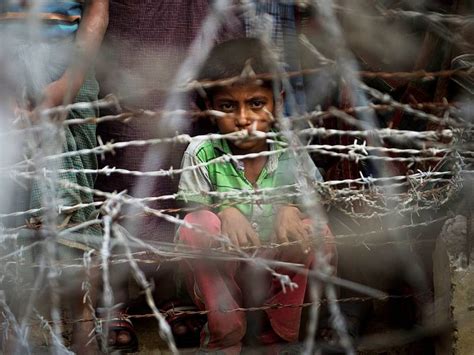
x=243 y=118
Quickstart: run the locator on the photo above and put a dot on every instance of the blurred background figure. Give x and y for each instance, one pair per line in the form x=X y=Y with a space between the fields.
x=49 y=48
x=47 y=58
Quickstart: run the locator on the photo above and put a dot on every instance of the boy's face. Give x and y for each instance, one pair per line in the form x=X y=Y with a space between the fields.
x=248 y=106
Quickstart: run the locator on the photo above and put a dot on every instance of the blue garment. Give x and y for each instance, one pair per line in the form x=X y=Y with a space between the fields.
x=34 y=60
x=56 y=18
x=279 y=19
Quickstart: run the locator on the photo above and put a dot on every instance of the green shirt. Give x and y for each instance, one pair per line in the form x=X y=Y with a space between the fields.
x=222 y=184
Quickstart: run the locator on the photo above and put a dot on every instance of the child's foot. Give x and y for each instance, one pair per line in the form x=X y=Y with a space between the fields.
x=186 y=328
x=118 y=337
x=120 y=332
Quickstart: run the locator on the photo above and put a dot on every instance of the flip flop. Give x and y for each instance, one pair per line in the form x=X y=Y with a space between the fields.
x=117 y=325
x=186 y=328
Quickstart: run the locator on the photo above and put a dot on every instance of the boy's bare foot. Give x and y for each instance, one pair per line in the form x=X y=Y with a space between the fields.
x=186 y=328
x=121 y=334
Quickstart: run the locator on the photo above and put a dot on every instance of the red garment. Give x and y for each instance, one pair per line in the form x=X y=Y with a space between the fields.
x=220 y=286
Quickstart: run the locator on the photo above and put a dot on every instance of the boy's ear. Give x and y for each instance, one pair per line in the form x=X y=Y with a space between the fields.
x=282 y=95
x=281 y=100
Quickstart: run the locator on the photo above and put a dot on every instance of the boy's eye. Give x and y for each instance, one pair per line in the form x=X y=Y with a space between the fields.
x=257 y=104
x=227 y=107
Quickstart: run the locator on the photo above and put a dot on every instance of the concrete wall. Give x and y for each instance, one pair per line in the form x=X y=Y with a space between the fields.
x=454 y=288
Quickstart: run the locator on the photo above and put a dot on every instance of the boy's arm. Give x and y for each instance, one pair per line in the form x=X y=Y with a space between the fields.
x=192 y=192
x=194 y=182
x=289 y=224
x=87 y=43
x=289 y=218
x=237 y=227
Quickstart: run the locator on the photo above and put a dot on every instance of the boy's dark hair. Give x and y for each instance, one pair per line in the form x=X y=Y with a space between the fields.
x=229 y=59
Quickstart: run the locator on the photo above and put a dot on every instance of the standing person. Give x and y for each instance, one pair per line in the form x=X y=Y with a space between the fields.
x=248 y=104
x=49 y=48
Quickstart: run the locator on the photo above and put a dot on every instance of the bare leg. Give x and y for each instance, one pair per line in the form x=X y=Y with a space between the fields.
x=84 y=339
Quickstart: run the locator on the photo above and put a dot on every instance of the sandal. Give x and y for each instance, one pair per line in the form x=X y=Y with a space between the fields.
x=121 y=333
x=186 y=328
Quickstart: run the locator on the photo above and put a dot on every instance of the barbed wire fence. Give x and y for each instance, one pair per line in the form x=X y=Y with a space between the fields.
x=439 y=164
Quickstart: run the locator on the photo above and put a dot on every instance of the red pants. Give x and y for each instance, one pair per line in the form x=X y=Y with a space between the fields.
x=227 y=285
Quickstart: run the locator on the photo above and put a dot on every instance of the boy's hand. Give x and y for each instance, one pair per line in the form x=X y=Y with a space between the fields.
x=289 y=225
x=54 y=93
x=237 y=228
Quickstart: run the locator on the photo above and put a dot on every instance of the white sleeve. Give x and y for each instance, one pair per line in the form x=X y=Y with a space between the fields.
x=194 y=182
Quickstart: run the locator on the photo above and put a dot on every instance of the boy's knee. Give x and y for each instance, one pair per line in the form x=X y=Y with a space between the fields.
x=228 y=334
x=205 y=220
x=206 y=223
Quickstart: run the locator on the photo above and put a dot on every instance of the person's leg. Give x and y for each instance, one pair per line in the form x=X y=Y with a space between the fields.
x=286 y=321
x=213 y=286
x=255 y=282
x=120 y=331
x=83 y=338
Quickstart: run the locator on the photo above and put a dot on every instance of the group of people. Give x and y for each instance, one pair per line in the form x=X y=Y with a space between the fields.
x=55 y=67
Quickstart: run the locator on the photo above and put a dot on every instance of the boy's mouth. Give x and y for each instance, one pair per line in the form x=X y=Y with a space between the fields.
x=249 y=139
